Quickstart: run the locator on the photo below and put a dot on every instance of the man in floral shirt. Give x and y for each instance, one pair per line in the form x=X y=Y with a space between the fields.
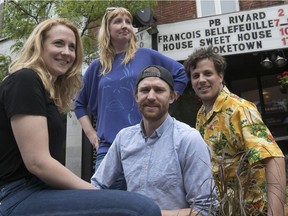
x=248 y=165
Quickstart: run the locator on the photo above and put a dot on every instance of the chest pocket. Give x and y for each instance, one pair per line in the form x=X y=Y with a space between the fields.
x=166 y=172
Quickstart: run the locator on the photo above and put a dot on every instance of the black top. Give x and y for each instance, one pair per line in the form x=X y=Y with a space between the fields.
x=23 y=93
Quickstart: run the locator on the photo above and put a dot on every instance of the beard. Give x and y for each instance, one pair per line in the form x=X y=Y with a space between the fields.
x=156 y=115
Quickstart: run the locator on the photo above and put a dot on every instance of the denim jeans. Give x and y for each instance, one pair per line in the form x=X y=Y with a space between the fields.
x=31 y=197
x=120 y=183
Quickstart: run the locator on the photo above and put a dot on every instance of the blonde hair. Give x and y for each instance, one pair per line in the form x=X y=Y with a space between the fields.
x=65 y=87
x=105 y=48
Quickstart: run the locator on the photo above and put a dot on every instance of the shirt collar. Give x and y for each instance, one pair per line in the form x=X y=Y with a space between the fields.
x=222 y=97
x=160 y=130
x=218 y=104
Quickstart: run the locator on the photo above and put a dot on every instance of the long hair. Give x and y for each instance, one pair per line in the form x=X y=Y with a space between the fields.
x=105 y=48
x=66 y=86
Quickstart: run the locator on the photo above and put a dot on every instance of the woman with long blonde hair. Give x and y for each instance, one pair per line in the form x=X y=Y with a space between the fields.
x=108 y=84
x=40 y=85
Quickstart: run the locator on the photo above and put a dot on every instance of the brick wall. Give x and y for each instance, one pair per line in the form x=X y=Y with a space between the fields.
x=172 y=11
x=247 y=5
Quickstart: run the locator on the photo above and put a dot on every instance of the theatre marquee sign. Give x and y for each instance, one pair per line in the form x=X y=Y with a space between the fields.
x=233 y=33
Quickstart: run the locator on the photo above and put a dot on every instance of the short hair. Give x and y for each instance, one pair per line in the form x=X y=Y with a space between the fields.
x=205 y=53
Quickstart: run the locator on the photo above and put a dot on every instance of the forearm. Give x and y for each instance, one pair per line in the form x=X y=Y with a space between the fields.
x=89 y=130
x=276 y=184
x=34 y=149
x=180 y=212
x=56 y=175
x=87 y=125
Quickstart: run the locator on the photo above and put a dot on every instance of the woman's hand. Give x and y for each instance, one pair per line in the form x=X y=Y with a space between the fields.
x=93 y=138
x=89 y=131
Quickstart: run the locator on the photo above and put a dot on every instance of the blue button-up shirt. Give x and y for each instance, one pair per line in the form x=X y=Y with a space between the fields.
x=172 y=166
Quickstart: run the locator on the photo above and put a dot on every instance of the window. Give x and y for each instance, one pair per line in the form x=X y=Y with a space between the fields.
x=276 y=107
x=213 y=7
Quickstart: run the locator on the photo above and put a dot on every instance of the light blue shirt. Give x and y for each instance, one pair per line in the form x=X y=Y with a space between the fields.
x=172 y=166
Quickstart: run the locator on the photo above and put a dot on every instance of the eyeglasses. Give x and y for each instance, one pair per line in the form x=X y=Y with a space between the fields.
x=109 y=9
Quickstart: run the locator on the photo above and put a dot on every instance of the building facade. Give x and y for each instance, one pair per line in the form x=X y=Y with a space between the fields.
x=253 y=37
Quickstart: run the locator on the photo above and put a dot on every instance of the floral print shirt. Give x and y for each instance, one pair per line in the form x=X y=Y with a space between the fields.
x=239 y=141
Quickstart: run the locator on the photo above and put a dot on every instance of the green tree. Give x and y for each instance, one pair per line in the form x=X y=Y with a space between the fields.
x=21 y=16
x=4 y=63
